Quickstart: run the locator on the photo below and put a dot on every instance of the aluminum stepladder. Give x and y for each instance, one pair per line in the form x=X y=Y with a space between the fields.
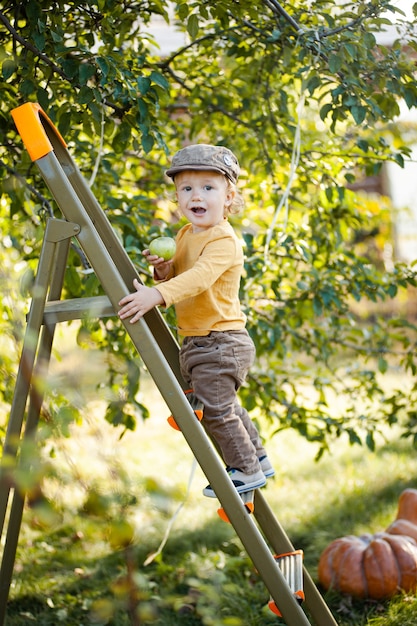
x=84 y=219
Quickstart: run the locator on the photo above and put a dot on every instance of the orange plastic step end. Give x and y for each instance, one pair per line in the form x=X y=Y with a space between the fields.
x=299 y=595
x=171 y=421
x=273 y=607
x=223 y=516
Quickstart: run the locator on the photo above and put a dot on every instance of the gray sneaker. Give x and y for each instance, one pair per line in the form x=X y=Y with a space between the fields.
x=242 y=482
x=266 y=467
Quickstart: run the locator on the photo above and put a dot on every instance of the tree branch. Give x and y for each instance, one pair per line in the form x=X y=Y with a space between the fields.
x=31 y=47
x=277 y=8
x=119 y=111
x=45 y=203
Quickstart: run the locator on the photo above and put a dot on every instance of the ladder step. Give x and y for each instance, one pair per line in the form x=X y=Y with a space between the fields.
x=76 y=308
x=247 y=499
x=291 y=566
x=195 y=404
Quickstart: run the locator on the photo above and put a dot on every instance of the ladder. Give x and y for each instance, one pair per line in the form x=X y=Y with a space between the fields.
x=82 y=217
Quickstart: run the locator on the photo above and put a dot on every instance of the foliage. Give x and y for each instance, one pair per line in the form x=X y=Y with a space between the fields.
x=308 y=101
x=74 y=565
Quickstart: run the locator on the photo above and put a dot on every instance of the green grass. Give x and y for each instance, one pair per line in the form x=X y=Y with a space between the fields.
x=75 y=565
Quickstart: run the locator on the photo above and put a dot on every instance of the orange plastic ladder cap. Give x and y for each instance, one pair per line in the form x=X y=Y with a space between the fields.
x=27 y=118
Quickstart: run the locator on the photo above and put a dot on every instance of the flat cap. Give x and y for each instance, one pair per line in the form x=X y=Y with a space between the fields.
x=202 y=157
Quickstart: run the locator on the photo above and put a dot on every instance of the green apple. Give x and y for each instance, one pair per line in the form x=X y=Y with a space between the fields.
x=163 y=247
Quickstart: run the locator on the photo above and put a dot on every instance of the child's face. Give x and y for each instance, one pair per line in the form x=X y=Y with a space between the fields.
x=203 y=197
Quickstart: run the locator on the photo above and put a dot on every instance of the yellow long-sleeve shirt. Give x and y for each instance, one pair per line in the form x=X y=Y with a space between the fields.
x=204 y=280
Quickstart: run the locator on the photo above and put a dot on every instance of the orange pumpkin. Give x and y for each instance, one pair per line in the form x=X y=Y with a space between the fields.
x=370 y=566
x=406 y=521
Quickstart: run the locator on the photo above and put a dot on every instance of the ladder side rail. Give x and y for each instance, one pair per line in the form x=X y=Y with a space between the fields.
x=280 y=542
x=62 y=233
x=57 y=261
x=30 y=343
x=26 y=364
x=18 y=499
x=9 y=552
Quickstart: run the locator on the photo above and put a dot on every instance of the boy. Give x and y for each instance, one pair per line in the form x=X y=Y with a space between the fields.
x=202 y=280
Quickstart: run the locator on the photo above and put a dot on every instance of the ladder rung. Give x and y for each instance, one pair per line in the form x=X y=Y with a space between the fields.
x=73 y=309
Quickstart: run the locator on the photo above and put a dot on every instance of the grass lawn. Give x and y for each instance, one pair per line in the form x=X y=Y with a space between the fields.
x=76 y=564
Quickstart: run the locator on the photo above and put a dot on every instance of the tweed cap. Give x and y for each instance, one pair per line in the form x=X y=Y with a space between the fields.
x=204 y=156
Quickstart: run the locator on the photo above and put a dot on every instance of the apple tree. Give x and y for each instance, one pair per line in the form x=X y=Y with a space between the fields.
x=308 y=97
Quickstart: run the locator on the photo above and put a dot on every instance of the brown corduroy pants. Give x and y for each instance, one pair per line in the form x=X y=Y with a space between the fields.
x=215 y=366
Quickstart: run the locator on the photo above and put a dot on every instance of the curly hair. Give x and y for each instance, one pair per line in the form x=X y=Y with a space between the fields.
x=238 y=202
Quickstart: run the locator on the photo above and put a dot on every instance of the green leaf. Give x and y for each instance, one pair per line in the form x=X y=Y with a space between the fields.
x=368 y=40
x=354 y=437
x=143 y=111
x=43 y=98
x=325 y=110
x=335 y=63
x=159 y=79
x=351 y=50
x=96 y=110
x=183 y=11
x=85 y=95
x=64 y=123
x=341 y=192
x=193 y=26
x=317 y=306
x=358 y=113
x=103 y=65
x=144 y=84
x=56 y=36
x=370 y=441
x=382 y=365
x=363 y=145
x=392 y=290
x=70 y=67
x=123 y=136
x=398 y=158
x=86 y=71
x=8 y=68
x=275 y=36
x=39 y=41
x=72 y=278
x=147 y=143
x=41 y=25
x=313 y=83
x=27 y=87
